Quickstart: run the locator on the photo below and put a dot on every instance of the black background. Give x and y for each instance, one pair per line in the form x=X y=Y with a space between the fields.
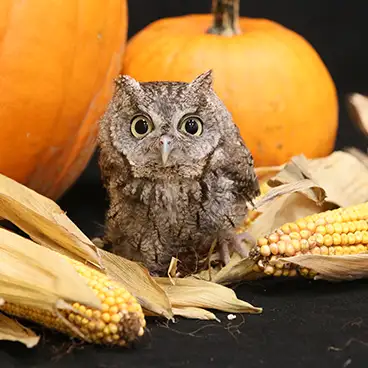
x=304 y=323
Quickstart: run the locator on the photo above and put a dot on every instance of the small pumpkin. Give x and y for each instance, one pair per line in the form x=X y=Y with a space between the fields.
x=57 y=67
x=274 y=83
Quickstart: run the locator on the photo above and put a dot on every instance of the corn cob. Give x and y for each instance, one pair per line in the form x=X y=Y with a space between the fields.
x=119 y=321
x=341 y=231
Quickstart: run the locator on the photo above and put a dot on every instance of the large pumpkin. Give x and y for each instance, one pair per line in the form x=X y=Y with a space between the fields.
x=57 y=64
x=274 y=83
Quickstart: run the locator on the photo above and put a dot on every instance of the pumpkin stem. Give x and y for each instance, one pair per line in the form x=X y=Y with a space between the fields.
x=225 y=17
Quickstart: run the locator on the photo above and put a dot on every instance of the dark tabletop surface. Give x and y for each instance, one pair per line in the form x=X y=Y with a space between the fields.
x=304 y=323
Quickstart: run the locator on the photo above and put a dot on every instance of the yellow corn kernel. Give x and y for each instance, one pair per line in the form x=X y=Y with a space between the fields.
x=321 y=229
x=269 y=270
x=337 y=228
x=295 y=235
x=319 y=239
x=304 y=245
x=327 y=240
x=292 y=272
x=316 y=250
x=337 y=232
x=290 y=250
x=286 y=229
x=278 y=273
x=273 y=238
x=94 y=326
x=274 y=248
x=262 y=241
x=302 y=224
x=336 y=238
x=296 y=244
x=305 y=234
x=361 y=248
x=282 y=246
x=339 y=250
x=324 y=250
x=311 y=226
x=344 y=239
x=265 y=250
x=331 y=251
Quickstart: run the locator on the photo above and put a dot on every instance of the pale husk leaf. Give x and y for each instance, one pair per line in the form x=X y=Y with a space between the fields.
x=329 y=173
x=343 y=176
x=11 y=330
x=33 y=275
x=191 y=292
x=333 y=268
x=296 y=171
x=209 y=273
x=137 y=280
x=44 y=221
x=238 y=269
x=360 y=155
x=171 y=272
x=194 y=313
x=298 y=199
x=358 y=109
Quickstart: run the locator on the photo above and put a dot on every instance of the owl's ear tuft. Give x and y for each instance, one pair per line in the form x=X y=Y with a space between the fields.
x=128 y=84
x=203 y=81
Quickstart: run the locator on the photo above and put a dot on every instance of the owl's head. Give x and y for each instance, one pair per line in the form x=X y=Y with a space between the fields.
x=166 y=127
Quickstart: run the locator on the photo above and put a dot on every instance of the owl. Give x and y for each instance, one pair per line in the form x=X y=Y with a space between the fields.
x=178 y=176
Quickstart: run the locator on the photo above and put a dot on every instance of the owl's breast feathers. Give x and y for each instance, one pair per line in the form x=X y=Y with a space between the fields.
x=151 y=220
x=215 y=200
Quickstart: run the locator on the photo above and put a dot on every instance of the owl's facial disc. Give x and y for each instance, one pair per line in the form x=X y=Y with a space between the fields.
x=166 y=146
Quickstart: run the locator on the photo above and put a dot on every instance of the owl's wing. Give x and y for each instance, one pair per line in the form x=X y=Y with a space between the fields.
x=235 y=162
x=114 y=168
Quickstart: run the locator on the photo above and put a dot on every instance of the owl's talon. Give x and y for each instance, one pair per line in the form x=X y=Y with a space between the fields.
x=225 y=253
x=240 y=247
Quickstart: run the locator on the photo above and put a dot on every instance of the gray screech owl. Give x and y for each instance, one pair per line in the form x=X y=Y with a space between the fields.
x=177 y=173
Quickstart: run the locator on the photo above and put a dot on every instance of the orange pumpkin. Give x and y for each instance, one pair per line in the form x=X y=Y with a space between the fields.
x=274 y=83
x=57 y=66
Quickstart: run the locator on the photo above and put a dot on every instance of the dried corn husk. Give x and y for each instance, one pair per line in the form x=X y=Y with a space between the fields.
x=12 y=330
x=358 y=109
x=333 y=268
x=190 y=292
x=29 y=266
x=300 y=188
x=44 y=221
x=195 y=313
x=35 y=276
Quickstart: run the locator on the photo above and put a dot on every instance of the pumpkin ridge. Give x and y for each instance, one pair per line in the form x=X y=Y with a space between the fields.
x=48 y=161
x=77 y=156
x=8 y=16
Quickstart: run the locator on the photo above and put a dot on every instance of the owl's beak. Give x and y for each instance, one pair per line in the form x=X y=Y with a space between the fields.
x=165 y=143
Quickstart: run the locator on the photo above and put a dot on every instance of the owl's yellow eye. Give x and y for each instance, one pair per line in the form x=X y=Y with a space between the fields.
x=141 y=126
x=192 y=125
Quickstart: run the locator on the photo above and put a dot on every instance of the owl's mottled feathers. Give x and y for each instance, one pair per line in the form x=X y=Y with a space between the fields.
x=157 y=211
